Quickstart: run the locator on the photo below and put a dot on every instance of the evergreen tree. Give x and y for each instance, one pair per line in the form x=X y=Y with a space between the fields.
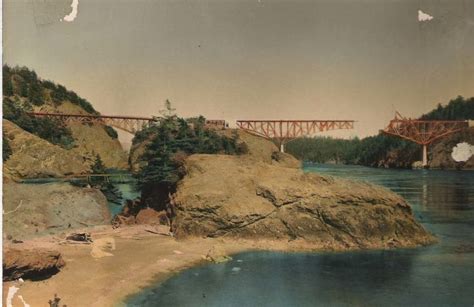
x=98 y=167
x=7 y=81
x=23 y=89
x=6 y=149
x=35 y=94
x=172 y=139
x=168 y=111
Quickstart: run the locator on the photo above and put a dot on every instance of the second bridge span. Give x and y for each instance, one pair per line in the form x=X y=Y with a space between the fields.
x=283 y=131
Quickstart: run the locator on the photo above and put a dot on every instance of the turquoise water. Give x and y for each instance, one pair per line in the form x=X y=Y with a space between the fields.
x=438 y=275
x=128 y=192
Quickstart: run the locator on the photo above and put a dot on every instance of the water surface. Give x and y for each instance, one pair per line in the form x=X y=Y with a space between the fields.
x=438 y=275
x=128 y=192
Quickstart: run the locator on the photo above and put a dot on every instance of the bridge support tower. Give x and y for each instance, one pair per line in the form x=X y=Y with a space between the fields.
x=423 y=132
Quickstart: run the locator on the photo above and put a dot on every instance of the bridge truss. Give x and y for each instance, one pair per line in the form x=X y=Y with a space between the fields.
x=130 y=124
x=283 y=131
x=423 y=132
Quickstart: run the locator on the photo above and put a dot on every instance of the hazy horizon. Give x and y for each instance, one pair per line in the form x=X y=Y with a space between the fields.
x=359 y=60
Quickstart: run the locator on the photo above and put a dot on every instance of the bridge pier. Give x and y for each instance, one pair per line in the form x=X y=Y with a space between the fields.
x=425 y=155
x=282 y=147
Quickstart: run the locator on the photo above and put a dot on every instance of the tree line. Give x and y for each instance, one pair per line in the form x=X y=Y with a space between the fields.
x=23 y=82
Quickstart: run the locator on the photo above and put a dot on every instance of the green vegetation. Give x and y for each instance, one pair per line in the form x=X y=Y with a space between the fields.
x=24 y=91
x=111 y=192
x=111 y=132
x=51 y=130
x=98 y=167
x=171 y=140
x=24 y=83
x=459 y=108
x=379 y=150
x=6 y=149
x=369 y=151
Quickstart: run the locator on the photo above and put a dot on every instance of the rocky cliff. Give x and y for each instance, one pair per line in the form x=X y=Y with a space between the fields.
x=40 y=209
x=33 y=157
x=92 y=139
x=255 y=196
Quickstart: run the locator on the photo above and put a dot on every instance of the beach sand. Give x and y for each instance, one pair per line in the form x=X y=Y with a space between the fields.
x=119 y=262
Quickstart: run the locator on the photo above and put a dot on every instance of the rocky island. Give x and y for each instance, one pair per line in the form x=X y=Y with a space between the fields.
x=269 y=197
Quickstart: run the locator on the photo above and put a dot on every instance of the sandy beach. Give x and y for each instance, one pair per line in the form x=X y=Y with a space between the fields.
x=121 y=262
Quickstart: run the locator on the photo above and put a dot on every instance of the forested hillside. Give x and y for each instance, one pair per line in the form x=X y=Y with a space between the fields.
x=457 y=109
x=24 y=83
x=380 y=150
x=23 y=92
x=377 y=151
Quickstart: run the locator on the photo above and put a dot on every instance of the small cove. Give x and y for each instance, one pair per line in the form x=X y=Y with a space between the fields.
x=438 y=275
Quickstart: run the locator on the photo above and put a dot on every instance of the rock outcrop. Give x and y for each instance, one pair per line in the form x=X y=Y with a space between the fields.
x=34 y=157
x=38 y=209
x=441 y=152
x=35 y=264
x=92 y=139
x=133 y=212
x=257 y=148
x=255 y=198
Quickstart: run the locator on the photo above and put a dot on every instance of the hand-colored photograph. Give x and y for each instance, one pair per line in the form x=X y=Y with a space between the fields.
x=238 y=153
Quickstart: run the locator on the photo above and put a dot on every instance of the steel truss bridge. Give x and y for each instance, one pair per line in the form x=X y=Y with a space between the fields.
x=283 y=131
x=130 y=124
x=423 y=132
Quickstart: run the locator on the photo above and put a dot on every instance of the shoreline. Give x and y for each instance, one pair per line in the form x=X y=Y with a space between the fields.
x=98 y=274
x=123 y=262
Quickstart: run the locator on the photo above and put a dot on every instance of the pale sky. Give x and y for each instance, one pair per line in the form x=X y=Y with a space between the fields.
x=345 y=59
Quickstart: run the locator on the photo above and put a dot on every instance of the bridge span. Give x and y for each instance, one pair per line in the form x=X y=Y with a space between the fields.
x=130 y=124
x=284 y=131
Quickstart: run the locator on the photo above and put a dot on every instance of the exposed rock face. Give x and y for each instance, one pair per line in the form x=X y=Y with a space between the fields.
x=440 y=152
x=263 y=150
x=250 y=198
x=38 y=209
x=91 y=139
x=33 y=264
x=399 y=158
x=151 y=217
x=134 y=213
x=34 y=157
x=94 y=139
